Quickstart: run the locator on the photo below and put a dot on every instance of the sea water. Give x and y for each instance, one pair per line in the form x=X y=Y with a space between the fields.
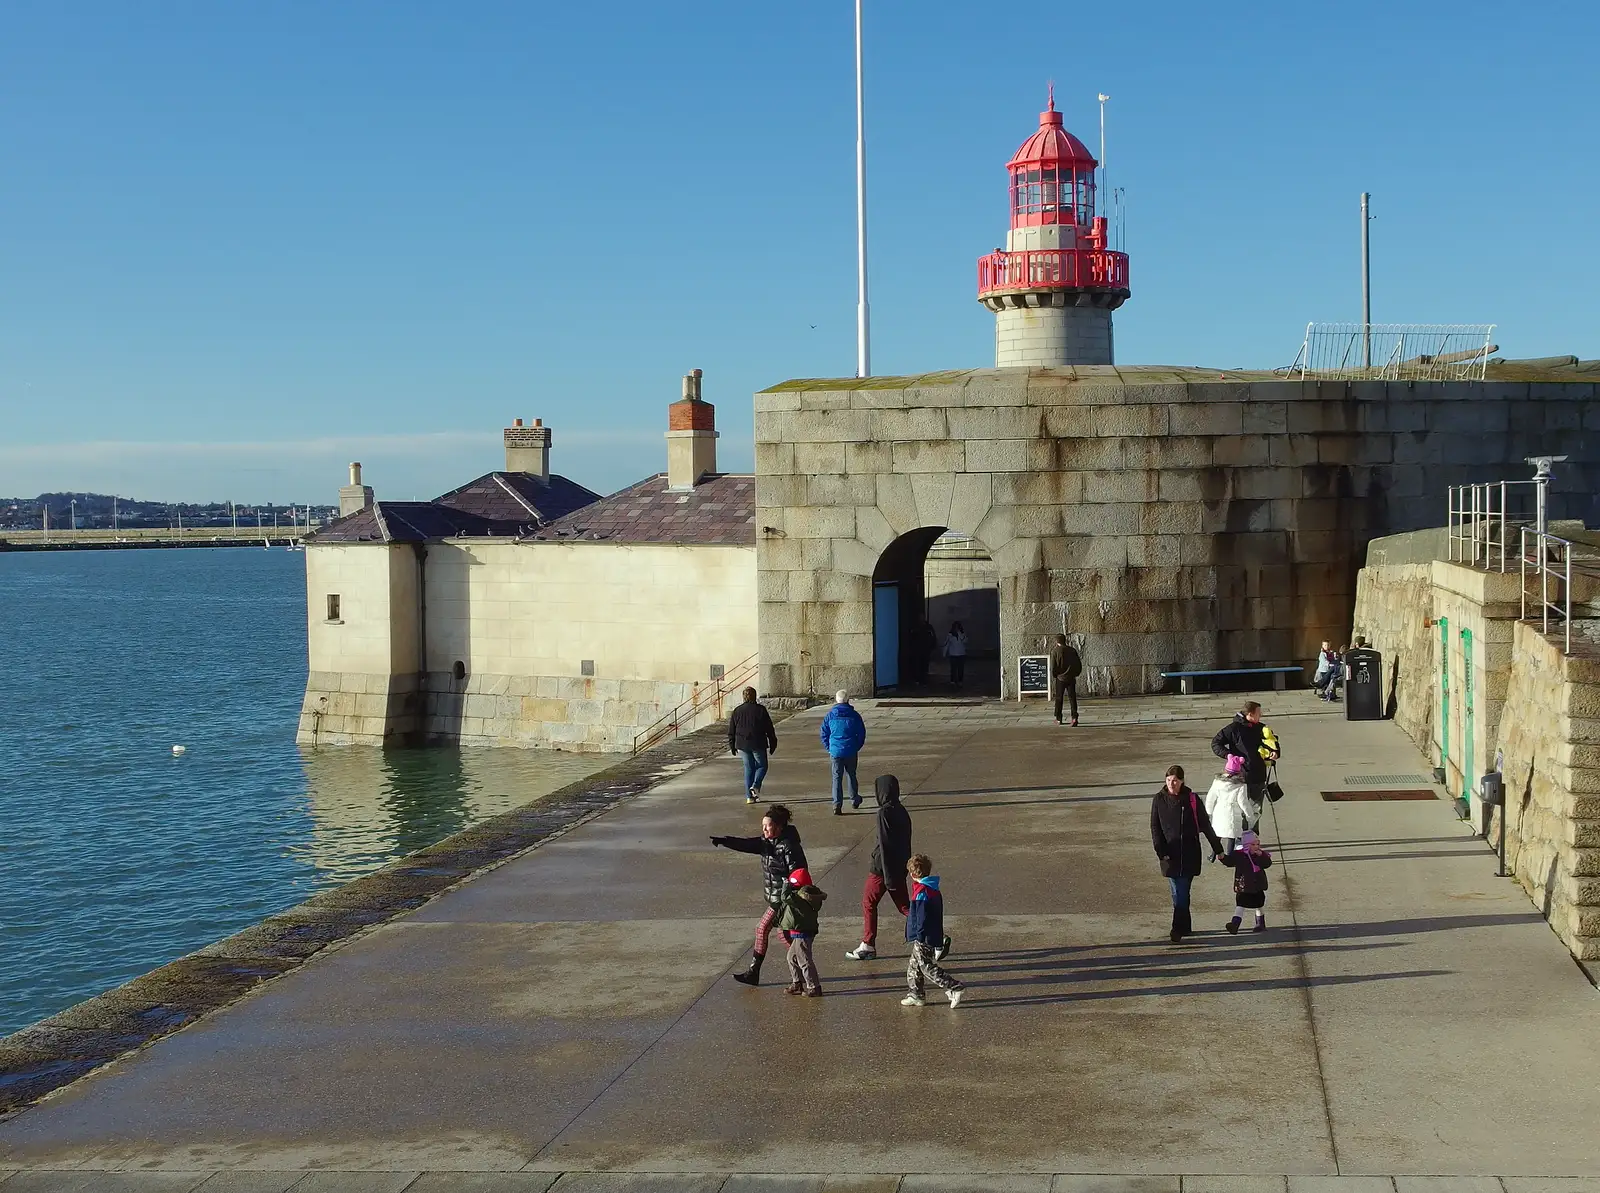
x=116 y=855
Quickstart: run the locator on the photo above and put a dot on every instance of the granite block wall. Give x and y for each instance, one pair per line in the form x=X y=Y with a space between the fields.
x=1174 y=518
x=1551 y=742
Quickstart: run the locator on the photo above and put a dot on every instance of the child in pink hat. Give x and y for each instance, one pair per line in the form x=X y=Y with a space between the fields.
x=1249 y=863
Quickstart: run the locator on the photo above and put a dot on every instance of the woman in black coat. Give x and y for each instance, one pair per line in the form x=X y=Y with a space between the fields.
x=1242 y=737
x=781 y=855
x=1177 y=822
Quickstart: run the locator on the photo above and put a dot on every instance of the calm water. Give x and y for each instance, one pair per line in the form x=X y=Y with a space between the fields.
x=115 y=856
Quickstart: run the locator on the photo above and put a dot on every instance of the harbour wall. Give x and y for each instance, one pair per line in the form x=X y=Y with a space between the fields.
x=1472 y=685
x=158 y=536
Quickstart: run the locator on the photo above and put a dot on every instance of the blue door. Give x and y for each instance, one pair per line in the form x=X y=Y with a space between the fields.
x=886 y=635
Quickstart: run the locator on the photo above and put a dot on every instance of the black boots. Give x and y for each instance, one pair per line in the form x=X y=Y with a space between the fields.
x=752 y=976
x=1181 y=925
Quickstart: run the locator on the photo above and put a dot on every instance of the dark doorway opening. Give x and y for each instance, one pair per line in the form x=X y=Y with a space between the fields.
x=928 y=582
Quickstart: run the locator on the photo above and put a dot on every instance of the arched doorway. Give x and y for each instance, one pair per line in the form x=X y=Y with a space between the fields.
x=925 y=581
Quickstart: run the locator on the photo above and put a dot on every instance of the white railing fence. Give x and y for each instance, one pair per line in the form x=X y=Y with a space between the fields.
x=1394 y=352
x=1482 y=519
x=1550 y=559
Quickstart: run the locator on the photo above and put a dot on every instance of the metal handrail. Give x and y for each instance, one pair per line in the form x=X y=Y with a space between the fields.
x=1041 y=269
x=1474 y=516
x=671 y=724
x=1543 y=544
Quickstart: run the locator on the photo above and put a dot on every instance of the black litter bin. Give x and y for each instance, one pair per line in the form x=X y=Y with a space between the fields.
x=1363 y=685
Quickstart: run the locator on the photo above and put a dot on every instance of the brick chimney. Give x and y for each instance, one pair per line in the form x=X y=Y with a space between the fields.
x=528 y=450
x=355 y=496
x=691 y=437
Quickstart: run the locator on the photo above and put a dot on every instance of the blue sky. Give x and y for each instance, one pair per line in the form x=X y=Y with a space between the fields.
x=243 y=243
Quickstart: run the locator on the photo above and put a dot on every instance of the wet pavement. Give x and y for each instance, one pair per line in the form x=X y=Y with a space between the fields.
x=572 y=1012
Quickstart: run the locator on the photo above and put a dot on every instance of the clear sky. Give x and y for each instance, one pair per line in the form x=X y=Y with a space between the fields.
x=242 y=243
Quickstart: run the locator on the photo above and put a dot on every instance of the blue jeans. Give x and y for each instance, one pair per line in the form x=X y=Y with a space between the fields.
x=755 y=769
x=842 y=767
x=1180 y=890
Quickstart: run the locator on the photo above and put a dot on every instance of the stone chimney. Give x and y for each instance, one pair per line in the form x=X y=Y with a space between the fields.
x=355 y=496
x=691 y=437
x=528 y=450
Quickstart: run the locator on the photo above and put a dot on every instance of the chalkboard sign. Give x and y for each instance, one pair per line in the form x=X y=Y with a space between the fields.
x=1033 y=675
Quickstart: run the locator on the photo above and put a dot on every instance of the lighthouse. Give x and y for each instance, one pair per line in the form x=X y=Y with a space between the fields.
x=1053 y=287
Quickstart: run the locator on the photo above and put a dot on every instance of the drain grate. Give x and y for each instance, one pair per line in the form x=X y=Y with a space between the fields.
x=1385 y=780
x=1364 y=795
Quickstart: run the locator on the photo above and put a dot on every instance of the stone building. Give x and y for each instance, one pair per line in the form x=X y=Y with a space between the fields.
x=1168 y=518
x=524 y=609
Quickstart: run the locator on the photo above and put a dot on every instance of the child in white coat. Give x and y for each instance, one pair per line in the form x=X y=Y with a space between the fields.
x=1229 y=805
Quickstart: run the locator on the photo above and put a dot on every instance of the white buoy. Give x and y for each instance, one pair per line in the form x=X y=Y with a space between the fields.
x=179 y=751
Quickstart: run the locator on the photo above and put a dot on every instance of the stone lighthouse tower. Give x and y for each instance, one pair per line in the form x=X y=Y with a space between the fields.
x=1053 y=287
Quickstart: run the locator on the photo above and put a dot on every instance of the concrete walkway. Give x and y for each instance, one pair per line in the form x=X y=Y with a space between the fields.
x=1408 y=1015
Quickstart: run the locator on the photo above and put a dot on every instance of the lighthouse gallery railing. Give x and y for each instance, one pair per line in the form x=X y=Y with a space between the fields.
x=1039 y=269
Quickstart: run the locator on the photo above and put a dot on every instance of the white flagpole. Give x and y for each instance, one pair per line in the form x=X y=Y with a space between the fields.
x=1104 y=197
x=863 y=334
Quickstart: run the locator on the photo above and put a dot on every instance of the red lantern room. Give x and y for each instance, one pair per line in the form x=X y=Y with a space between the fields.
x=1052 y=177
x=1054 y=286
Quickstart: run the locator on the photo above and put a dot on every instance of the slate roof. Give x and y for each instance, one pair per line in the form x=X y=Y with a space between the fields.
x=497 y=504
x=720 y=509
x=518 y=497
x=410 y=522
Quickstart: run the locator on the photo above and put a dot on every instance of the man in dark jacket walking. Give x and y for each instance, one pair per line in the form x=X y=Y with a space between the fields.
x=751 y=735
x=1065 y=667
x=1242 y=738
x=886 y=873
x=1177 y=822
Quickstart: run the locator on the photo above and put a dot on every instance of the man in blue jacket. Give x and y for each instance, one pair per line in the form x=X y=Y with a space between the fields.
x=843 y=735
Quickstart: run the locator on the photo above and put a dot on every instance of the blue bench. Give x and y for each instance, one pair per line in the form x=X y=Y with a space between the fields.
x=1186 y=678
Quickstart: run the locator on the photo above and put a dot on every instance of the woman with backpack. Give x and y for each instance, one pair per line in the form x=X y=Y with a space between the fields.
x=1177 y=822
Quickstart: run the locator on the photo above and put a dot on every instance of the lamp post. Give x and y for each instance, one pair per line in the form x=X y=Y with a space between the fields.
x=1366 y=285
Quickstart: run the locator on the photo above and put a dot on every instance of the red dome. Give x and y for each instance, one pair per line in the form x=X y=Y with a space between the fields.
x=1052 y=145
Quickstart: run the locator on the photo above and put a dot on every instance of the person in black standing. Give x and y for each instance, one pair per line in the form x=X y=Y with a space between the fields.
x=1177 y=822
x=751 y=735
x=1065 y=667
x=1242 y=738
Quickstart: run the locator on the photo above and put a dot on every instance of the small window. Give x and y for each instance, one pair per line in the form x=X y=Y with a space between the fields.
x=586 y=667
x=716 y=671
x=333 y=606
